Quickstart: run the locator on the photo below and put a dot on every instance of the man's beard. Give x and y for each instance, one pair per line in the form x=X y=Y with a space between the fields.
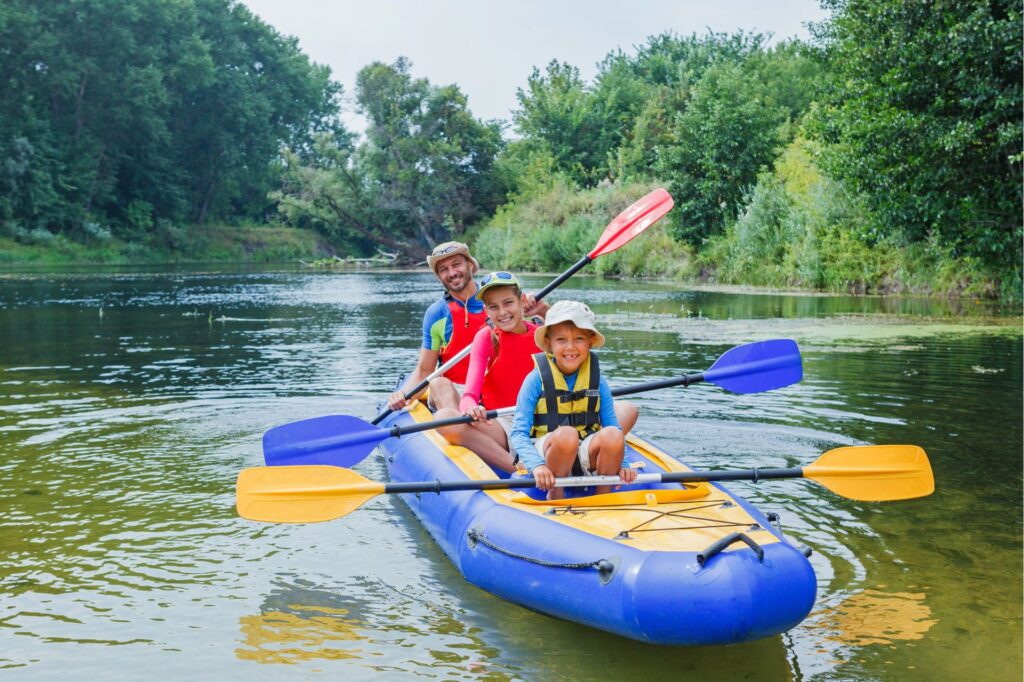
x=466 y=281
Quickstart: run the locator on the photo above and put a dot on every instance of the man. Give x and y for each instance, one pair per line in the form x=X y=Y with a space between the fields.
x=449 y=325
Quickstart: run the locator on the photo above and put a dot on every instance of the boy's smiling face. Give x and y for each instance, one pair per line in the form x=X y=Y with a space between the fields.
x=570 y=345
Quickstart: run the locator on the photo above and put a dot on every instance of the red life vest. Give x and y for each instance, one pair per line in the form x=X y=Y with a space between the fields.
x=464 y=327
x=508 y=369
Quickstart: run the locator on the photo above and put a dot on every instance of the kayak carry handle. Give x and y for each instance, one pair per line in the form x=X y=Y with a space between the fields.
x=716 y=547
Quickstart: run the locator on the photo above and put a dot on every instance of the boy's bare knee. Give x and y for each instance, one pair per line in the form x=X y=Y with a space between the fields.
x=611 y=437
x=627 y=413
x=566 y=437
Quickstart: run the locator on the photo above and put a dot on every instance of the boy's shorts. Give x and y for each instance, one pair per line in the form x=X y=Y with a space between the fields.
x=505 y=421
x=581 y=465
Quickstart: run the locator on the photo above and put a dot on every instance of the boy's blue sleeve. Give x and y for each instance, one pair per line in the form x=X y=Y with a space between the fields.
x=608 y=417
x=519 y=438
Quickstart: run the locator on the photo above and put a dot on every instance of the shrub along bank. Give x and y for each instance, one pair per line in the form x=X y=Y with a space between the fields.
x=797 y=229
x=170 y=244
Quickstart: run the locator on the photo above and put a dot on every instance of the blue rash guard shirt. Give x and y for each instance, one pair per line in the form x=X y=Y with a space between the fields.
x=437 y=321
x=526 y=404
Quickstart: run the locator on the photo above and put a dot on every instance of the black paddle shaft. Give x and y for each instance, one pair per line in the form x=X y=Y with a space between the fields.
x=579 y=265
x=686 y=380
x=683 y=381
x=396 y=431
x=754 y=475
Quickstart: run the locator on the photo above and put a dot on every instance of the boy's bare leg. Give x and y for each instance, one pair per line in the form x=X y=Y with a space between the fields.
x=560 y=451
x=627 y=413
x=606 y=452
x=486 y=440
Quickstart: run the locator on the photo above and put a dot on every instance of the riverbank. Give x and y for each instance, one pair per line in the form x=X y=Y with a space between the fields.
x=190 y=244
x=783 y=240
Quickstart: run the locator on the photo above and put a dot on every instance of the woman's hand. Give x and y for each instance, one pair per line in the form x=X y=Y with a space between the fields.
x=627 y=474
x=545 y=477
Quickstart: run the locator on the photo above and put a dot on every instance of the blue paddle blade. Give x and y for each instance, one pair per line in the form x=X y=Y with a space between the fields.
x=756 y=367
x=338 y=440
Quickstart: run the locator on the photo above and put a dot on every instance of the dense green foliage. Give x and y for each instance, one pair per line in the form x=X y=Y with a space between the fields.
x=424 y=172
x=207 y=243
x=883 y=156
x=125 y=117
x=555 y=227
x=704 y=112
x=924 y=118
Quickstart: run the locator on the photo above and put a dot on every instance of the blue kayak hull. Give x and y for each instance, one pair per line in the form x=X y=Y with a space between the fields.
x=650 y=595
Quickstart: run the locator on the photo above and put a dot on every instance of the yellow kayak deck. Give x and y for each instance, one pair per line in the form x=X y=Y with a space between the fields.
x=688 y=518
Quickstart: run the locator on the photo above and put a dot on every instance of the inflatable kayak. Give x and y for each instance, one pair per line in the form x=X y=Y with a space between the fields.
x=661 y=563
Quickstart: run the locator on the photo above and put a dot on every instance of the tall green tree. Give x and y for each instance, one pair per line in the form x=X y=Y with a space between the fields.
x=425 y=171
x=559 y=115
x=924 y=118
x=726 y=135
x=132 y=113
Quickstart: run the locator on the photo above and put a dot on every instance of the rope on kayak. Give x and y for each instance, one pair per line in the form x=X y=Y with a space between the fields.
x=677 y=515
x=605 y=567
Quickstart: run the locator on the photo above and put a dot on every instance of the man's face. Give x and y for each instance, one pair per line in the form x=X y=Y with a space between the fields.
x=455 y=273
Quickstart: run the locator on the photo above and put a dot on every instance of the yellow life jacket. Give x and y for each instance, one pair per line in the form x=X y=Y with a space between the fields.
x=558 y=406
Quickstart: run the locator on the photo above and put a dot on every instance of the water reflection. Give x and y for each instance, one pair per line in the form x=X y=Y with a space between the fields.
x=875 y=617
x=302 y=633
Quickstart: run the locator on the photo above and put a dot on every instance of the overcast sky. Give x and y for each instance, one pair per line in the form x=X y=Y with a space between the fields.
x=489 y=48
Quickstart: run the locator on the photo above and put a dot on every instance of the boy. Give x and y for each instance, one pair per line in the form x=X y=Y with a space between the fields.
x=567 y=404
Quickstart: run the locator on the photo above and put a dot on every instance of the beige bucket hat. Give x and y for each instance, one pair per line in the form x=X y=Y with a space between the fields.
x=568 y=311
x=447 y=250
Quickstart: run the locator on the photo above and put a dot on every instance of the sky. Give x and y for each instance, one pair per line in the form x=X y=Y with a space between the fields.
x=490 y=48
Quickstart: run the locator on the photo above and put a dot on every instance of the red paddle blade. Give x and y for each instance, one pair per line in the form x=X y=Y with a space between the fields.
x=631 y=222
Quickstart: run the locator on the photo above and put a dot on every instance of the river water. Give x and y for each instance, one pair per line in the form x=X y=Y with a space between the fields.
x=130 y=401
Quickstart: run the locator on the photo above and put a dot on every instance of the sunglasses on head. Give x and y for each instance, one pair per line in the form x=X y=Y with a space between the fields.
x=447 y=249
x=496 y=275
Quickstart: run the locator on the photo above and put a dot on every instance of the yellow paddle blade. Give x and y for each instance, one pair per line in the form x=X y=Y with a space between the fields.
x=301 y=494
x=874 y=473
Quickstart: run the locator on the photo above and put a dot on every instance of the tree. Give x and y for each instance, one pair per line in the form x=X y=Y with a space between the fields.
x=924 y=118
x=424 y=173
x=153 y=110
x=558 y=114
x=726 y=135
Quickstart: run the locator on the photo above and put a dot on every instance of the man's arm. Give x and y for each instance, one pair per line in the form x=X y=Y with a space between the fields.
x=426 y=364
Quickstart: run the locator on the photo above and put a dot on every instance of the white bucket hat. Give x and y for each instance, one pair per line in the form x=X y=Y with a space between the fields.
x=447 y=250
x=569 y=311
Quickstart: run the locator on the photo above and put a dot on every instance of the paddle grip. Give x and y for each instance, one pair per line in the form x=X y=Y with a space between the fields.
x=684 y=381
x=580 y=264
